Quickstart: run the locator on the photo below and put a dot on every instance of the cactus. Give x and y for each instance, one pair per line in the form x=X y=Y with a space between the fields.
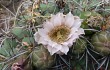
x=107 y=26
x=101 y=42
x=41 y=58
x=48 y=8
x=95 y=20
x=92 y=19
x=79 y=46
x=19 y=51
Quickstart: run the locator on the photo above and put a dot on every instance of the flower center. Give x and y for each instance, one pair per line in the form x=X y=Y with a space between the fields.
x=59 y=34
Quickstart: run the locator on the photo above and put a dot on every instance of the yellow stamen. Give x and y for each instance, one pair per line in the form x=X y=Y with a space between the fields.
x=59 y=34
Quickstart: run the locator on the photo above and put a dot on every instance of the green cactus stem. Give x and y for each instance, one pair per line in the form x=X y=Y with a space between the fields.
x=41 y=58
x=79 y=46
x=101 y=42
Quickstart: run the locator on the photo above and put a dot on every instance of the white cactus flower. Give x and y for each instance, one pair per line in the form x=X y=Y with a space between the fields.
x=59 y=33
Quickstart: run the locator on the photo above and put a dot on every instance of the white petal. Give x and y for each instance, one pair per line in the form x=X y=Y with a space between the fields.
x=73 y=30
x=42 y=32
x=74 y=36
x=51 y=43
x=54 y=45
x=57 y=19
x=77 y=22
x=58 y=46
x=59 y=52
x=80 y=31
x=64 y=49
x=65 y=43
x=42 y=41
x=48 y=26
x=70 y=41
x=49 y=49
x=52 y=50
x=36 y=36
x=69 y=20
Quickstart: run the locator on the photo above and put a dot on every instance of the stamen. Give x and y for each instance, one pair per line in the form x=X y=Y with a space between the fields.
x=59 y=34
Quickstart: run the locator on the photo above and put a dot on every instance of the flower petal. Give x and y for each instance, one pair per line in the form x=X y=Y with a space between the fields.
x=69 y=20
x=57 y=19
x=59 y=52
x=77 y=22
x=43 y=33
x=36 y=36
x=73 y=30
x=42 y=41
x=64 y=49
x=48 y=26
x=70 y=41
x=58 y=46
x=51 y=43
x=52 y=50
x=81 y=31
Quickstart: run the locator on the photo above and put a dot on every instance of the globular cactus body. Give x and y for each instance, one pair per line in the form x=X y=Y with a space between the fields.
x=107 y=26
x=95 y=20
x=101 y=42
x=42 y=59
x=79 y=46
